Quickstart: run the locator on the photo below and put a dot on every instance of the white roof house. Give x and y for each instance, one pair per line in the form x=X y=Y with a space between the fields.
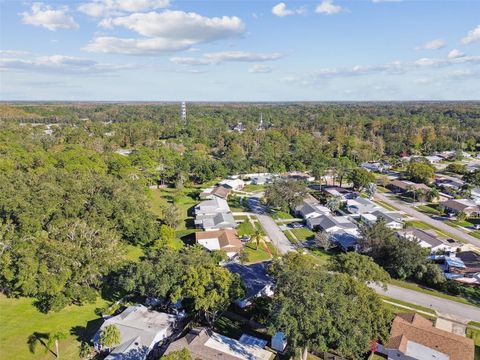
x=429 y=239
x=332 y=224
x=140 y=330
x=212 y=206
x=235 y=184
x=215 y=221
x=310 y=207
x=392 y=220
x=362 y=206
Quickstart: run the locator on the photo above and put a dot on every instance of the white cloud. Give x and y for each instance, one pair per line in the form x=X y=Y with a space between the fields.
x=381 y=1
x=392 y=68
x=226 y=56
x=165 y=32
x=327 y=7
x=455 y=54
x=436 y=44
x=281 y=10
x=100 y=8
x=261 y=69
x=49 y=18
x=59 y=64
x=472 y=36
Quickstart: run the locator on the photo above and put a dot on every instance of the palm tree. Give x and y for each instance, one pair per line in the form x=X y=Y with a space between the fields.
x=432 y=194
x=48 y=340
x=257 y=237
x=110 y=336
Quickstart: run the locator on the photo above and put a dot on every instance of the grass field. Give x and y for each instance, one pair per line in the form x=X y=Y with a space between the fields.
x=385 y=205
x=410 y=305
x=260 y=254
x=290 y=237
x=253 y=188
x=245 y=228
x=19 y=319
x=421 y=225
x=474 y=334
x=303 y=234
x=430 y=209
x=282 y=215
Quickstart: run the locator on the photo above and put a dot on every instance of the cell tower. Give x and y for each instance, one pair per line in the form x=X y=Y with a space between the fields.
x=183 y=112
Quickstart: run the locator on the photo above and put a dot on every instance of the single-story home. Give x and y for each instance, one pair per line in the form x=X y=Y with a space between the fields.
x=221 y=192
x=260 y=178
x=414 y=337
x=204 y=344
x=310 y=207
x=215 y=221
x=225 y=239
x=404 y=186
x=140 y=330
x=234 y=184
x=212 y=206
x=429 y=239
x=456 y=206
x=346 y=241
x=361 y=206
x=463 y=267
x=331 y=224
x=392 y=220
x=256 y=279
x=340 y=192
x=376 y=166
x=296 y=175
x=451 y=183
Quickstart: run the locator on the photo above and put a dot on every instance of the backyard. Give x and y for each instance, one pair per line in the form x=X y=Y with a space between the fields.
x=20 y=319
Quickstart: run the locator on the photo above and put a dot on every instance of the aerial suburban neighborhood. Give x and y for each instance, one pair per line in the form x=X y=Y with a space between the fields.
x=239 y=180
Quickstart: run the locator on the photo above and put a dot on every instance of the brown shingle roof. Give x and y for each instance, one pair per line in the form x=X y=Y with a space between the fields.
x=221 y=191
x=414 y=327
x=227 y=239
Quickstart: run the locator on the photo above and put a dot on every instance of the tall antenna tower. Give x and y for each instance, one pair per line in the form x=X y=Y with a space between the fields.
x=183 y=112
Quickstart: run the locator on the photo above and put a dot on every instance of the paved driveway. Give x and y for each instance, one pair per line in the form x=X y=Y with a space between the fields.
x=277 y=236
x=407 y=209
x=445 y=308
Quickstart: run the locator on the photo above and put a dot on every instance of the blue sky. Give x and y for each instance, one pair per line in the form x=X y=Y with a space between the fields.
x=239 y=50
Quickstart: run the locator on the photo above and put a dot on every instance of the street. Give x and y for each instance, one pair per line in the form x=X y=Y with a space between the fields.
x=444 y=308
x=407 y=209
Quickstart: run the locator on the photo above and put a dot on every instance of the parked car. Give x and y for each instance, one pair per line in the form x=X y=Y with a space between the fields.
x=245 y=238
x=295 y=225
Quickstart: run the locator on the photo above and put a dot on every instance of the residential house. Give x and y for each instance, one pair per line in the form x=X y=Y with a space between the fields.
x=301 y=176
x=346 y=241
x=434 y=159
x=361 y=206
x=206 y=194
x=140 y=330
x=450 y=183
x=310 y=207
x=260 y=179
x=340 y=192
x=256 y=279
x=332 y=224
x=234 y=184
x=225 y=239
x=392 y=220
x=204 y=344
x=463 y=267
x=376 y=166
x=429 y=239
x=212 y=206
x=404 y=186
x=221 y=192
x=467 y=206
x=215 y=221
x=414 y=337
x=450 y=155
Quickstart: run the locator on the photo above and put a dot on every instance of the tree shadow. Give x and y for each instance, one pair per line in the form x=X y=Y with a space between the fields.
x=85 y=333
x=38 y=338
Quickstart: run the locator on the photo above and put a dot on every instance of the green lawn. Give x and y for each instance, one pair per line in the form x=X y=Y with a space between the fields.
x=253 y=255
x=20 y=319
x=282 y=215
x=410 y=305
x=385 y=205
x=462 y=298
x=474 y=334
x=303 y=234
x=430 y=209
x=320 y=256
x=245 y=228
x=183 y=199
x=253 y=188
x=290 y=237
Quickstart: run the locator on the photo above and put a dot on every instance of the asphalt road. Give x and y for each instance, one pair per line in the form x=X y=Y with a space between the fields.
x=407 y=209
x=444 y=308
x=278 y=238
